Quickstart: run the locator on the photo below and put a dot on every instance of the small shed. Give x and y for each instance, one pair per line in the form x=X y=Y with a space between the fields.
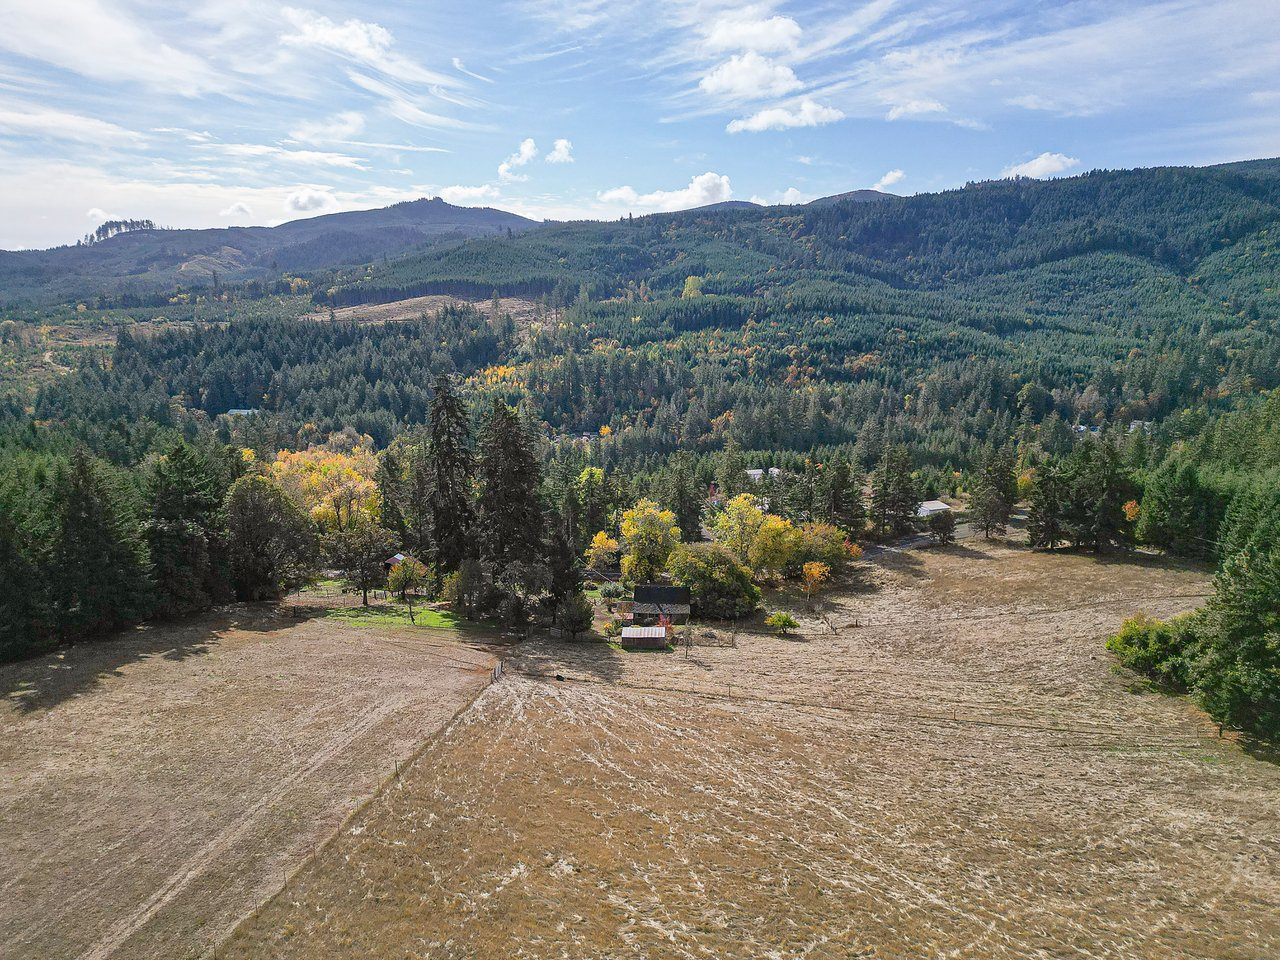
x=658 y=602
x=930 y=508
x=646 y=638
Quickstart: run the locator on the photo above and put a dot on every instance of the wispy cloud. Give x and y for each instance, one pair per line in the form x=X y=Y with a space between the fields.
x=32 y=121
x=888 y=180
x=807 y=113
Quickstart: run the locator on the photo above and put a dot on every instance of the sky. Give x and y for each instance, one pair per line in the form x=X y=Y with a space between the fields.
x=239 y=112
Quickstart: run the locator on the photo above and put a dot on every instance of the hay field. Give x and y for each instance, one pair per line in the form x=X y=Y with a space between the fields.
x=963 y=775
x=155 y=788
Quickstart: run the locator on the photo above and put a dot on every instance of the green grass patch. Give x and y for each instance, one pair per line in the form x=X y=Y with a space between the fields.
x=397 y=615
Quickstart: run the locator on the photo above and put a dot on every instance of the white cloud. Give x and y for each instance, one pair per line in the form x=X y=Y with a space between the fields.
x=404 y=107
x=464 y=195
x=310 y=200
x=237 y=209
x=369 y=44
x=461 y=68
x=806 y=114
x=340 y=126
x=703 y=189
x=749 y=76
x=99 y=215
x=59 y=125
x=314 y=158
x=526 y=152
x=102 y=41
x=914 y=108
x=753 y=33
x=788 y=197
x=562 y=152
x=889 y=179
x=1045 y=165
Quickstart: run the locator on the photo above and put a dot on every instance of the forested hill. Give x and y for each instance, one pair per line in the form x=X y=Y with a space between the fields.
x=145 y=260
x=1171 y=219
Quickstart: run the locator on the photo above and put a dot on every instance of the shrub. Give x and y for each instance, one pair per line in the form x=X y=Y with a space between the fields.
x=942 y=527
x=720 y=587
x=575 y=615
x=823 y=543
x=784 y=623
x=1157 y=649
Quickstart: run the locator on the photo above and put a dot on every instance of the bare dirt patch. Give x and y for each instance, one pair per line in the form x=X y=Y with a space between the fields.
x=966 y=776
x=522 y=311
x=155 y=788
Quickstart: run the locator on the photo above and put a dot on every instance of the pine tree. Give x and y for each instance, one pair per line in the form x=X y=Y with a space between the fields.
x=451 y=471
x=25 y=626
x=99 y=564
x=510 y=520
x=682 y=492
x=893 y=494
x=1046 y=520
x=182 y=532
x=839 y=497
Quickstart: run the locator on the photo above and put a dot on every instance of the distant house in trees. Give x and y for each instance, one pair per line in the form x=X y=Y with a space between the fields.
x=242 y=411
x=657 y=604
x=390 y=562
x=930 y=508
x=757 y=476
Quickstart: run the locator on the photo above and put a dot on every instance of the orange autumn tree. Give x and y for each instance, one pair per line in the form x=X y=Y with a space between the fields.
x=334 y=485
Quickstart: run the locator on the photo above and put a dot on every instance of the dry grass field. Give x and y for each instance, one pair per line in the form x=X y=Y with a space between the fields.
x=155 y=788
x=962 y=775
x=522 y=311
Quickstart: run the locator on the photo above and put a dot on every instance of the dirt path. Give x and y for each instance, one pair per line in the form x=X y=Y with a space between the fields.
x=969 y=778
x=157 y=788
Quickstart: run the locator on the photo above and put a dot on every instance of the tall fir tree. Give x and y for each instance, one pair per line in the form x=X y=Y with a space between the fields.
x=451 y=472
x=183 y=532
x=99 y=565
x=509 y=514
x=893 y=494
x=1046 y=519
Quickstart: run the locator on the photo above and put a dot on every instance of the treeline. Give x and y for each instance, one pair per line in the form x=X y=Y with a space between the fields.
x=1210 y=493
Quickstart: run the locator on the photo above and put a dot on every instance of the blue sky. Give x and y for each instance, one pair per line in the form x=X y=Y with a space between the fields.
x=234 y=112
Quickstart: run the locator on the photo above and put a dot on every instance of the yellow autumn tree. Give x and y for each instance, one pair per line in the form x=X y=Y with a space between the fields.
x=602 y=552
x=738 y=523
x=333 y=485
x=649 y=534
x=775 y=546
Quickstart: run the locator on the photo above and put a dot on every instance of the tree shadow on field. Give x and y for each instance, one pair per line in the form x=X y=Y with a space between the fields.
x=1264 y=750
x=963 y=550
x=44 y=682
x=548 y=658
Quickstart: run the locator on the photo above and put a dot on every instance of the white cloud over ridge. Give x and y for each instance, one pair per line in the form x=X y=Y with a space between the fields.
x=703 y=189
x=237 y=209
x=310 y=200
x=806 y=114
x=888 y=180
x=1045 y=165
x=463 y=195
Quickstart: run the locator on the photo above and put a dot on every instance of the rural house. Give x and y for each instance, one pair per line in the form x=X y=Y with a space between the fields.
x=930 y=508
x=657 y=603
